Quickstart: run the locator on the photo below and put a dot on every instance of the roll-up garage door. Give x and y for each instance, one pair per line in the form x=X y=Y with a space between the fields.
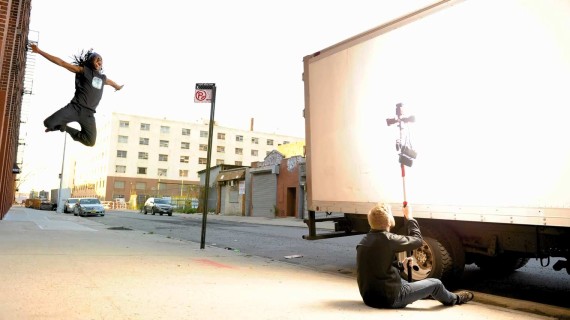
x=264 y=195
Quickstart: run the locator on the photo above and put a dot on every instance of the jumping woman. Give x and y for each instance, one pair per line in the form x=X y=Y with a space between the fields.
x=89 y=84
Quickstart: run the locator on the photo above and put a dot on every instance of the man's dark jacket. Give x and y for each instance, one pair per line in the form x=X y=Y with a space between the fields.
x=378 y=269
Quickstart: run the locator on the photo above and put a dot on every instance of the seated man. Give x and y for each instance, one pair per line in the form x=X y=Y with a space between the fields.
x=378 y=270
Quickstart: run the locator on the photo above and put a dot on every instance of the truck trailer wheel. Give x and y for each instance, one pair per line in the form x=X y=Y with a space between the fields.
x=454 y=247
x=502 y=264
x=441 y=256
x=432 y=258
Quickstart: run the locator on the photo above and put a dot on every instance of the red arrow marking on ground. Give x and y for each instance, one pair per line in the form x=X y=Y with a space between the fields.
x=214 y=264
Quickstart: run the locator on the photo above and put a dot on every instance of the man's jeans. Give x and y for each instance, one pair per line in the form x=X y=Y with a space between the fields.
x=414 y=291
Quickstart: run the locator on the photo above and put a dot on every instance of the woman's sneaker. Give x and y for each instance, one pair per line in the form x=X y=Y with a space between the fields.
x=464 y=296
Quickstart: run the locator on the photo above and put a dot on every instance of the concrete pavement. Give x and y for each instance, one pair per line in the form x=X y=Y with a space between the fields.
x=57 y=266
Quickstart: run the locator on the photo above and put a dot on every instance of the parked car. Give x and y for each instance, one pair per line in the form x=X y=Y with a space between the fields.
x=88 y=206
x=157 y=205
x=69 y=205
x=46 y=205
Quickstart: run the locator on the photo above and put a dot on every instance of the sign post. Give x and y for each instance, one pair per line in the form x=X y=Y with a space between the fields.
x=206 y=92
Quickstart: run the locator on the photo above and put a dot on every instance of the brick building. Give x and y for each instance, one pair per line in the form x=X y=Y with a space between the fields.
x=14 y=27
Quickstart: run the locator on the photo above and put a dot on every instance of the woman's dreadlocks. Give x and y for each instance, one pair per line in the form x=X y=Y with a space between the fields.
x=85 y=58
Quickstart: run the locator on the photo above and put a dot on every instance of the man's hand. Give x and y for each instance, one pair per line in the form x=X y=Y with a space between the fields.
x=34 y=48
x=407 y=211
x=408 y=262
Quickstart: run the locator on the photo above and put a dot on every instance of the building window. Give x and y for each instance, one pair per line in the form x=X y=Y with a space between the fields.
x=239 y=151
x=185 y=145
x=203 y=134
x=285 y=142
x=221 y=149
x=141 y=170
x=254 y=153
x=145 y=126
x=143 y=155
x=162 y=172
x=239 y=138
x=121 y=153
x=183 y=173
x=119 y=184
x=123 y=124
x=164 y=143
x=255 y=140
x=143 y=141
x=269 y=142
x=123 y=139
x=162 y=157
x=203 y=147
x=238 y=163
x=219 y=161
x=164 y=129
x=120 y=169
x=184 y=159
x=202 y=160
x=140 y=186
x=221 y=136
x=185 y=132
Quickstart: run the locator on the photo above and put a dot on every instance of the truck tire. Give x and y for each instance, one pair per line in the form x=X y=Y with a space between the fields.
x=432 y=258
x=441 y=256
x=502 y=265
x=454 y=246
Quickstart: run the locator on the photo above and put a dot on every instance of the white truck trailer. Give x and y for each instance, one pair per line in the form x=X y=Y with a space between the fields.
x=488 y=83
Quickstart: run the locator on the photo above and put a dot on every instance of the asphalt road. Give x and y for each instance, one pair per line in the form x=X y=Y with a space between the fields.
x=337 y=255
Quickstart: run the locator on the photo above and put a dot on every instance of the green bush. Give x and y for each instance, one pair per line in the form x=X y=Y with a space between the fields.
x=186 y=210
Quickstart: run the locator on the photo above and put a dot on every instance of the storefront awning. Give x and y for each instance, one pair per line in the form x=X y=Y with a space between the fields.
x=231 y=175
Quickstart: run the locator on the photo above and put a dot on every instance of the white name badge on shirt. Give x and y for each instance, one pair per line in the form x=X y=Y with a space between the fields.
x=97 y=83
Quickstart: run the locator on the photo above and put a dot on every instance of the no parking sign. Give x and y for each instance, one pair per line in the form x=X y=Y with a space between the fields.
x=203 y=93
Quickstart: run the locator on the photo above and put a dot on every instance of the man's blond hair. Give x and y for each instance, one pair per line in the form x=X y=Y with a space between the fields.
x=380 y=217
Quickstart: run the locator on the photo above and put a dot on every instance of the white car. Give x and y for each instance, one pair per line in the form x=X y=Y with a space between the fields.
x=89 y=206
x=69 y=205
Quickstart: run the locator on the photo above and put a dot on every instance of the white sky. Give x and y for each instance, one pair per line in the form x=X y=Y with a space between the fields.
x=252 y=49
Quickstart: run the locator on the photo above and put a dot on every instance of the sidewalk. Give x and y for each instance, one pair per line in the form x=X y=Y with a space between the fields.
x=280 y=221
x=57 y=266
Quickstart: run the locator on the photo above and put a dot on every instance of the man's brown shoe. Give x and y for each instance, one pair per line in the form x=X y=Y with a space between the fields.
x=464 y=296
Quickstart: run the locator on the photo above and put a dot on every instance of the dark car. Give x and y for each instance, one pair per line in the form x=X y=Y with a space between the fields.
x=157 y=205
x=45 y=205
x=89 y=206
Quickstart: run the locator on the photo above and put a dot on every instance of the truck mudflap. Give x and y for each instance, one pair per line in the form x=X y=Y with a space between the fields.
x=343 y=227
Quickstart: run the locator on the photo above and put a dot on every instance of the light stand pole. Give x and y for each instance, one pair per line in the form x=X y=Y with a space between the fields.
x=406 y=158
x=59 y=209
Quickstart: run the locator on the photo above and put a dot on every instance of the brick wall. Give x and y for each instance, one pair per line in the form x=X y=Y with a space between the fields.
x=288 y=188
x=14 y=27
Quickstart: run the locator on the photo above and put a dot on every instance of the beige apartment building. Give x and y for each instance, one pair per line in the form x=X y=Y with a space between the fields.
x=146 y=156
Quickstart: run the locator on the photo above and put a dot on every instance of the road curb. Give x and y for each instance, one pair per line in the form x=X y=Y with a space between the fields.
x=522 y=305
